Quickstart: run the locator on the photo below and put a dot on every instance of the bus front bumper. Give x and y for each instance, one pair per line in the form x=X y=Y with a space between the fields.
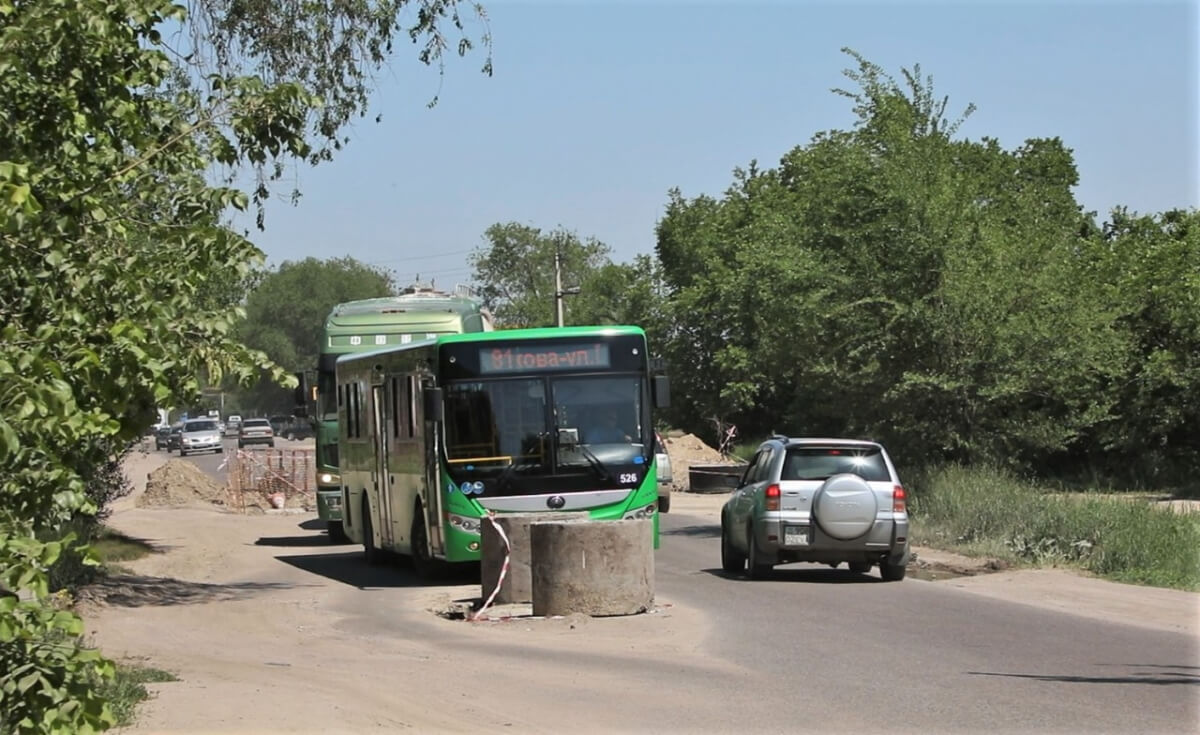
x=329 y=503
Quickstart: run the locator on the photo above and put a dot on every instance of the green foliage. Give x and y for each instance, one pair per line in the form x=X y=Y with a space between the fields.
x=119 y=285
x=515 y=272
x=894 y=282
x=1148 y=268
x=49 y=678
x=1122 y=538
x=286 y=312
x=127 y=689
x=112 y=546
x=624 y=293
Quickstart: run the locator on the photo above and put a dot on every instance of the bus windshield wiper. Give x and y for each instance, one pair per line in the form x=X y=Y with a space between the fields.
x=595 y=462
x=506 y=474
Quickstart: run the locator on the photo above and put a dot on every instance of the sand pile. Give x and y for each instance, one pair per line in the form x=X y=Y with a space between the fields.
x=688 y=450
x=180 y=483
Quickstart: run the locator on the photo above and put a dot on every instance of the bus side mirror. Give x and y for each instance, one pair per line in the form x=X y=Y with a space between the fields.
x=433 y=405
x=662 y=391
x=300 y=395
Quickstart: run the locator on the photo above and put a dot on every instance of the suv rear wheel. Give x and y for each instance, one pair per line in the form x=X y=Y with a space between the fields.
x=731 y=561
x=892 y=572
x=756 y=569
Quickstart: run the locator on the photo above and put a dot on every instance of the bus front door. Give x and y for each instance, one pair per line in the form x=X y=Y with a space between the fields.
x=379 y=472
x=433 y=489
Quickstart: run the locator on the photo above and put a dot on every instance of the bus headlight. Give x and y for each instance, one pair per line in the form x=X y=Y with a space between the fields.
x=640 y=513
x=328 y=478
x=464 y=524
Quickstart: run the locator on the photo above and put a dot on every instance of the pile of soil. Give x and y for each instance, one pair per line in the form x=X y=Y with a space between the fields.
x=180 y=483
x=688 y=450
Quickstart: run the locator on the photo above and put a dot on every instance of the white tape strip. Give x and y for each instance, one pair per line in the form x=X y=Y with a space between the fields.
x=491 y=516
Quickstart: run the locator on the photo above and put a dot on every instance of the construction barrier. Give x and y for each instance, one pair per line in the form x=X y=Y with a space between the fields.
x=271 y=478
x=714 y=478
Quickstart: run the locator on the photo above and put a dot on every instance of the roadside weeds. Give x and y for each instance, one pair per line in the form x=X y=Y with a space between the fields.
x=988 y=512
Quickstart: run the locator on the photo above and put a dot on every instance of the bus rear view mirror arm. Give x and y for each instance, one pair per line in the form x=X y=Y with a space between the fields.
x=433 y=405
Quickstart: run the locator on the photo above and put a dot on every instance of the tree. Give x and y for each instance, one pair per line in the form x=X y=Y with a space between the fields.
x=113 y=246
x=1147 y=268
x=624 y=293
x=286 y=312
x=892 y=281
x=515 y=271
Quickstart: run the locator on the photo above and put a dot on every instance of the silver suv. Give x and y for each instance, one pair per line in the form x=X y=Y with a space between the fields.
x=662 y=461
x=817 y=500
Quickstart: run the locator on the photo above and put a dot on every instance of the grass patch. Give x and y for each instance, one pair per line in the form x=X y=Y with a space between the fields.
x=986 y=511
x=127 y=689
x=113 y=546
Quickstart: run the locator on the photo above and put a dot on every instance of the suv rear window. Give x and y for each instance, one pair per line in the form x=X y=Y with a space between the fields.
x=819 y=463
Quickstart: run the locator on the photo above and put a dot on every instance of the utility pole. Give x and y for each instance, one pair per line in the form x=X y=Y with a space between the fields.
x=558 y=289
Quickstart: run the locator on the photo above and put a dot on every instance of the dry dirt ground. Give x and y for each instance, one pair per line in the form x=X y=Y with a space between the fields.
x=258 y=657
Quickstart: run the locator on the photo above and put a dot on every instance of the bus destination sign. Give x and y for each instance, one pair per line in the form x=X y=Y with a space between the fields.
x=532 y=358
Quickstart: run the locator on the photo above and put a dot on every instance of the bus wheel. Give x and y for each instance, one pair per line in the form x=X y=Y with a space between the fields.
x=370 y=553
x=337 y=532
x=424 y=565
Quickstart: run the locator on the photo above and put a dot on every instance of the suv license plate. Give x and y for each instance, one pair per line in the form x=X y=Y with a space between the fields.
x=795 y=536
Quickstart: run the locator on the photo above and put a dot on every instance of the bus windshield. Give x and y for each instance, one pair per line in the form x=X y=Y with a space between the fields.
x=513 y=430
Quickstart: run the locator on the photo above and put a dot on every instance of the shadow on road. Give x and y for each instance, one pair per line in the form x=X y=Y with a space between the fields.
x=1170 y=675
x=132 y=590
x=807 y=574
x=312 y=524
x=311 y=539
x=349 y=568
x=708 y=530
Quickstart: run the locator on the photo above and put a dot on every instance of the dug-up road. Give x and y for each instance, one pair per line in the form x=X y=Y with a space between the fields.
x=270 y=629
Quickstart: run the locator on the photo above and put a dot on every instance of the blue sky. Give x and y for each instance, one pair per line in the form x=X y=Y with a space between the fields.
x=596 y=109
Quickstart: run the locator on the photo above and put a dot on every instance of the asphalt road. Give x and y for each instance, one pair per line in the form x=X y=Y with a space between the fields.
x=812 y=649
x=826 y=644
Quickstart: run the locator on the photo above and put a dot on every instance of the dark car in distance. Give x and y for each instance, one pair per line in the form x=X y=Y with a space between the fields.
x=291 y=427
x=162 y=436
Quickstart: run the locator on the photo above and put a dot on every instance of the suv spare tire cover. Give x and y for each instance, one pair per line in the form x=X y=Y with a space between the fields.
x=845 y=507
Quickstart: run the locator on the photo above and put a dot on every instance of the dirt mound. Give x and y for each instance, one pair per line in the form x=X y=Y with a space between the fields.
x=688 y=450
x=180 y=483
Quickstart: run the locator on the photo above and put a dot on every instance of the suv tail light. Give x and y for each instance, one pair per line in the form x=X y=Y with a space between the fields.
x=772 y=496
x=899 y=500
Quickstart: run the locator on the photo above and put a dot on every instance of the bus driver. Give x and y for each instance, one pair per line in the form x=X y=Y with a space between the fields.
x=607 y=432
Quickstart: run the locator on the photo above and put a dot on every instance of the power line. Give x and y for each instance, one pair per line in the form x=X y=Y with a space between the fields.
x=419 y=257
x=441 y=272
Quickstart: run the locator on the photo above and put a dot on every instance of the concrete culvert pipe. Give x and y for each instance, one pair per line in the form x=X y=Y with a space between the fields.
x=598 y=568
x=517 y=586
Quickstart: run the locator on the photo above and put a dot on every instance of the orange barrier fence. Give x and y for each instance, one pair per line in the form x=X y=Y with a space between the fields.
x=271 y=479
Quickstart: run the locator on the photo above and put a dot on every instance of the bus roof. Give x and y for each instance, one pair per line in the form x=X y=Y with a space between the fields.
x=542 y=333
x=386 y=307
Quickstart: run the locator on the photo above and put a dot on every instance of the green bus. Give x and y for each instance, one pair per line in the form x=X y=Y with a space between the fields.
x=437 y=433
x=417 y=313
